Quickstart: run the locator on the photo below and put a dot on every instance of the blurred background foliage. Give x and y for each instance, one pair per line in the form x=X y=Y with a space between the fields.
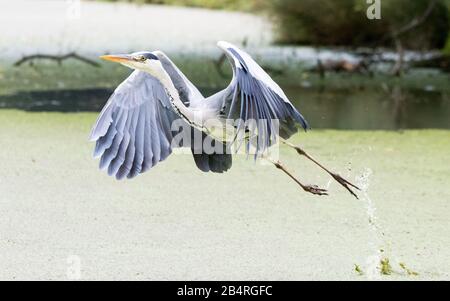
x=244 y=5
x=369 y=81
x=343 y=22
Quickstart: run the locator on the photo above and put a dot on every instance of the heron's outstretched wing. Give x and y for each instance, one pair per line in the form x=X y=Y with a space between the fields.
x=133 y=132
x=253 y=95
x=188 y=93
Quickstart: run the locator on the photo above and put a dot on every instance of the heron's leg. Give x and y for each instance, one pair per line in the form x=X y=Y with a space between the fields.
x=346 y=184
x=308 y=188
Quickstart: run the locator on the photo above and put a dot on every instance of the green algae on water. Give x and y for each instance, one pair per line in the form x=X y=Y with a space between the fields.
x=385 y=267
x=358 y=270
x=407 y=270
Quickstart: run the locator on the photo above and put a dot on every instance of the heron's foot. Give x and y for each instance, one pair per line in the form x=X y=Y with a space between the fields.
x=346 y=184
x=314 y=189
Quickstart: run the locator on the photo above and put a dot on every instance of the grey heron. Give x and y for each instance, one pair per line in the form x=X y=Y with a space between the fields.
x=134 y=130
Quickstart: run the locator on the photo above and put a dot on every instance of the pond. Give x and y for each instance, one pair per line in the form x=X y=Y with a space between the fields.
x=339 y=109
x=340 y=101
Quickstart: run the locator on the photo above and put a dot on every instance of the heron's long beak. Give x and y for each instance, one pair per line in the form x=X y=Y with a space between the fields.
x=118 y=58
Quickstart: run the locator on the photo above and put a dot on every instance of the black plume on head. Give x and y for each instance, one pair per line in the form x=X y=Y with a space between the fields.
x=148 y=55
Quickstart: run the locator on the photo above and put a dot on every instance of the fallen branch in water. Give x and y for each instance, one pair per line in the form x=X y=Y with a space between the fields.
x=341 y=65
x=58 y=58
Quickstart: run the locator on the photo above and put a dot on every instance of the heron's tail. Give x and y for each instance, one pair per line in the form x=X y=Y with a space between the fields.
x=216 y=162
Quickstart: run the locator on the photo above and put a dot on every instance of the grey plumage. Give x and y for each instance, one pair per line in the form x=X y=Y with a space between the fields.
x=217 y=163
x=252 y=94
x=133 y=132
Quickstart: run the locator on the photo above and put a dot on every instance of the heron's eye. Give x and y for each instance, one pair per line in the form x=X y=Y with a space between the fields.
x=139 y=58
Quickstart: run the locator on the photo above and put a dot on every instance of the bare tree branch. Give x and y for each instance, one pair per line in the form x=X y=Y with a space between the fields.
x=417 y=21
x=395 y=35
x=58 y=58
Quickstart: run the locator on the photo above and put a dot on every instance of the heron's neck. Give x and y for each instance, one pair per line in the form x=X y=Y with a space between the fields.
x=179 y=107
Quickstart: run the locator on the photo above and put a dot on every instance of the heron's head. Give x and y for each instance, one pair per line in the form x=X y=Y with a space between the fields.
x=144 y=61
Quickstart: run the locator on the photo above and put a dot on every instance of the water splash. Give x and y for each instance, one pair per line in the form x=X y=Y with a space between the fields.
x=375 y=233
x=378 y=263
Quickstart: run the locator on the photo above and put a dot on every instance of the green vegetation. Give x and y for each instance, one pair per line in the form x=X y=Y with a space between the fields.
x=385 y=267
x=244 y=5
x=45 y=75
x=344 y=22
x=407 y=270
x=45 y=154
x=323 y=22
x=447 y=47
x=358 y=270
x=419 y=99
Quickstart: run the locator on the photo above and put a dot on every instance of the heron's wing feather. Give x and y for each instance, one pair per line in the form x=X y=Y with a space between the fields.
x=254 y=96
x=191 y=97
x=189 y=94
x=133 y=133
